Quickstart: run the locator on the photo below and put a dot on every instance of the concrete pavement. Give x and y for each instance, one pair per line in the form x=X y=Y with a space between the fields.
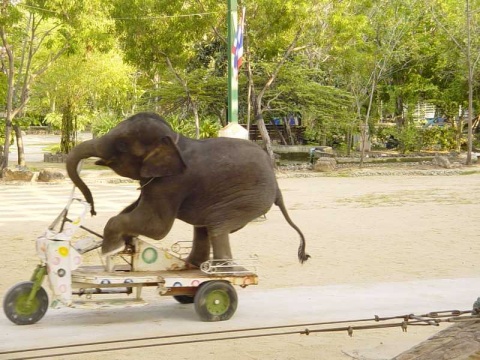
x=257 y=308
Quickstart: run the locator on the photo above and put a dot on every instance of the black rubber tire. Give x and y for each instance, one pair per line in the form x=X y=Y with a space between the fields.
x=216 y=301
x=16 y=308
x=184 y=299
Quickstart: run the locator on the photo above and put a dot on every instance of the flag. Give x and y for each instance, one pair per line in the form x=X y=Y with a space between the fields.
x=237 y=48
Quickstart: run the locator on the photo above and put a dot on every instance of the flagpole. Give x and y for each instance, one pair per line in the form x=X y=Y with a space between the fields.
x=232 y=79
x=235 y=44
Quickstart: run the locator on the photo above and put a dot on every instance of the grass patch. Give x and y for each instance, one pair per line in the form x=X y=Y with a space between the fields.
x=53 y=149
x=470 y=172
x=399 y=198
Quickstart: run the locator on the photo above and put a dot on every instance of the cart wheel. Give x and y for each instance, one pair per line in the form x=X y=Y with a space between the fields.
x=184 y=299
x=17 y=308
x=216 y=301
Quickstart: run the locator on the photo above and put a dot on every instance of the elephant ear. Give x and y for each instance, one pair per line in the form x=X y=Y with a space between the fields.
x=163 y=160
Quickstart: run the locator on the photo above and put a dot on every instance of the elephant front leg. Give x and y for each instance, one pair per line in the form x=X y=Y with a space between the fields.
x=115 y=242
x=200 y=247
x=121 y=228
x=113 y=239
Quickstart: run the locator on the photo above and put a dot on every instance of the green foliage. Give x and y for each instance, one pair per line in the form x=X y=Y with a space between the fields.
x=53 y=149
x=181 y=125
x=3 y=88
x=54 y=119
x=209 y=127
x=410 y=138
x=151 y=30
x=383 y=132
x=102 y=123
x=399 y=51
x=439 y=138
x=416 y=138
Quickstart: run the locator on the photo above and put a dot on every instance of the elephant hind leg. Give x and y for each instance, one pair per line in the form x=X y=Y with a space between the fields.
x=200 y=247
x=222 y=251
x=221 y=246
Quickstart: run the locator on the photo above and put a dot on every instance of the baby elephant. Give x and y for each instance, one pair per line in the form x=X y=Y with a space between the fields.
x=217 y=185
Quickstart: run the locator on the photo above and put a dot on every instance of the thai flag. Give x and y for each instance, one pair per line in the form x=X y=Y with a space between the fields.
x=237 y=49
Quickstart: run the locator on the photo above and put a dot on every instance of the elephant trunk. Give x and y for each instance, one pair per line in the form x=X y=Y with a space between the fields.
x=78 y=153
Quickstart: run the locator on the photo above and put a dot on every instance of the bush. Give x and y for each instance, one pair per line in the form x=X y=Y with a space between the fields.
x=181 y=125
x=209 y=127
x=409 y=137
x=415 y=138
x=103 y=123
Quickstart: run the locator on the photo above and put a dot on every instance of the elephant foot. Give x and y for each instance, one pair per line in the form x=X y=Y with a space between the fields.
x=189 y=266
x=229 y=267
x=222 y=267
x=194 y=263
x=112 y=247
x=129 y=249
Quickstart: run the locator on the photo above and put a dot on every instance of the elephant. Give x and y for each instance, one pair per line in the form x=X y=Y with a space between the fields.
x=218 y=185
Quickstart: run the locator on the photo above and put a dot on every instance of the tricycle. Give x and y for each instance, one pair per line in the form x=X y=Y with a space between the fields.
x=111 y=281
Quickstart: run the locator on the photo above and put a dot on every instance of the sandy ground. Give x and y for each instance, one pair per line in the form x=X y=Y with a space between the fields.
x=359 y=230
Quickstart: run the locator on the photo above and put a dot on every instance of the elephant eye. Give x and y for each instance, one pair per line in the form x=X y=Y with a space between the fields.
x=122 y=146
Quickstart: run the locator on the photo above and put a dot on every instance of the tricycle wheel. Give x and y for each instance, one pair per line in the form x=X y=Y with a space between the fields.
x=19 y=310
x=216 y=301
x=184 y=299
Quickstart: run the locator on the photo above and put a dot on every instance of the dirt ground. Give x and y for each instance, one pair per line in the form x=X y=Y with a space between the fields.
x=359 y=230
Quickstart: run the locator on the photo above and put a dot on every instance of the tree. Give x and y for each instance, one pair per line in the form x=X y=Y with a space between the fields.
x=276 y=32
x=78 y=88
x=43 y=32
x=459 y=21
x=174 y=52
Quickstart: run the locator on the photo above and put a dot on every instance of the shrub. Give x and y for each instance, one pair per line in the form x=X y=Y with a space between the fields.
x=103 y=123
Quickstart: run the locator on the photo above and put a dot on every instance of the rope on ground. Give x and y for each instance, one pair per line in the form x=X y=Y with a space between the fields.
x=429 y=319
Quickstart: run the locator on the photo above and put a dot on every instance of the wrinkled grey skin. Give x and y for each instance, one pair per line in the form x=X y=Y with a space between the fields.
x=217 y=185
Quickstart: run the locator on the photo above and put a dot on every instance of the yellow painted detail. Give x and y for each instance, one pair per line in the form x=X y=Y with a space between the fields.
x=62 y=250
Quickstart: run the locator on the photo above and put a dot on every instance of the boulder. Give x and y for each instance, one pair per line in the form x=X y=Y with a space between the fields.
x=55 y=158
x=50 y=175
x=17 y=175
x=325 y=165
x=442 y=161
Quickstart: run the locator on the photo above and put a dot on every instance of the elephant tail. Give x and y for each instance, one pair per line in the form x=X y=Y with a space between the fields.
x=302 y=256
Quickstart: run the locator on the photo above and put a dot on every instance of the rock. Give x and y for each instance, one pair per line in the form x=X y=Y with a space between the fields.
x=50 y=175
x=442 y=161
x=324 y=149
x=17 y=175
x=55 y=158
x=325 y=165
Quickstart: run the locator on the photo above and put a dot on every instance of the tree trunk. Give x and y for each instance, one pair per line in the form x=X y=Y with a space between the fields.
x=249 y=106
x=9 y=104
x=349 y=141
x=259 y=117
x=289 y=131
x=20 y=147
x=6 y=145
x=67 y=140
x=367 y=117
x=258 y=98
x=279 y=132
x=156 y=85
x=266 y=138
x=197 y=120
x=470 y=66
